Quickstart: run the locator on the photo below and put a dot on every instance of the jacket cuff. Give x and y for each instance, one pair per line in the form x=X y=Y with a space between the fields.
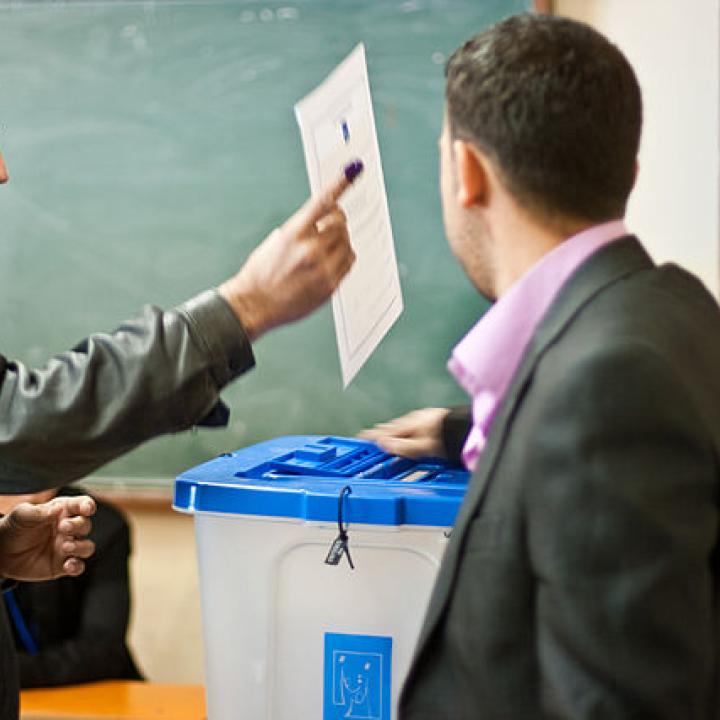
x=455 y=428
x=221 y=334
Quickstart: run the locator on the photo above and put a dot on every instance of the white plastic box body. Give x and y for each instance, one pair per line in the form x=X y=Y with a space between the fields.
x=289 y=636
x=268 y=599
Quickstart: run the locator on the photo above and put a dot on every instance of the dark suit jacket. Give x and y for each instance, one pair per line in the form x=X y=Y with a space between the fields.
x=581 y=578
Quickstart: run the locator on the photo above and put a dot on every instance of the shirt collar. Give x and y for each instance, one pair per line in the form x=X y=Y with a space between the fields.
x=487 y=357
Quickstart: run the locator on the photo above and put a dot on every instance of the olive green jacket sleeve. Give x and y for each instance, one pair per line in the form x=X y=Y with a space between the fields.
x=160 y=372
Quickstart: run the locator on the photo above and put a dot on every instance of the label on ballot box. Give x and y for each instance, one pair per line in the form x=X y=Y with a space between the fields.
x=357 y=677
x=316 y=556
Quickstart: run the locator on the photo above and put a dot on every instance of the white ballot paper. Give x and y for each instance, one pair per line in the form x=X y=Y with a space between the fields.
x=337 y=126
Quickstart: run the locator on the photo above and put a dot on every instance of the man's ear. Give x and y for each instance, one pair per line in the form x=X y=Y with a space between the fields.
x=472 y=178
x=3 y=171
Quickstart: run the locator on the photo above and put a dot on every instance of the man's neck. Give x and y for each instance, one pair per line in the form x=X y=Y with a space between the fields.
x=520 y=241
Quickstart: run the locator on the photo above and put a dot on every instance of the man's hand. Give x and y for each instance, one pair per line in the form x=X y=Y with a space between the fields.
x=42 y=542
x=415 y=435
x=296 y=268
x=3 y=171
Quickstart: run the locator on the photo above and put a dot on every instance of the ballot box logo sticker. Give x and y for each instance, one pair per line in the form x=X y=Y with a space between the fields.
x=357 y=677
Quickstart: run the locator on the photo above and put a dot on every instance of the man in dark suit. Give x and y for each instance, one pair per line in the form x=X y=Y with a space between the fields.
x=580 y=580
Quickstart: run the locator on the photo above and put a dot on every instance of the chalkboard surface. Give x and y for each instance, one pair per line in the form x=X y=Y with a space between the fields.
x=152 y=145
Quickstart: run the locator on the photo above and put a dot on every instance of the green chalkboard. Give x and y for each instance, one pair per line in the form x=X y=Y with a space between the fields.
x=152 y=144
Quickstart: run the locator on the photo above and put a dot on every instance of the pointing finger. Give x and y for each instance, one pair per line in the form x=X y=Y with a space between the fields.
x=320 y=205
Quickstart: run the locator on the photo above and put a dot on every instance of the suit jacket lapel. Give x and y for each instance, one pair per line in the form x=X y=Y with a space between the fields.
x=610 y=264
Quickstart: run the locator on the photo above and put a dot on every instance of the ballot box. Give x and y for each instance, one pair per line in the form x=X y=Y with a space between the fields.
x=317 y=556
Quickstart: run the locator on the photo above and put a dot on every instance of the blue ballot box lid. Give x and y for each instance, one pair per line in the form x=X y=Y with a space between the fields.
x=308 y=477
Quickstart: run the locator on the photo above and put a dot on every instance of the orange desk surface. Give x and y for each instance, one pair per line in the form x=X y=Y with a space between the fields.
x=115 y=700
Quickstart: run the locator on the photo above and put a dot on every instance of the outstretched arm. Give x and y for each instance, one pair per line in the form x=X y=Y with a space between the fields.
x=162 y=372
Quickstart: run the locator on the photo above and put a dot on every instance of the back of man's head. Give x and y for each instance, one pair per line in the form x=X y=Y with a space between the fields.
x=556 y=107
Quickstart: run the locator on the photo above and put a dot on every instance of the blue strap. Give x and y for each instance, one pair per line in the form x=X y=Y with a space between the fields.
x=26 y=637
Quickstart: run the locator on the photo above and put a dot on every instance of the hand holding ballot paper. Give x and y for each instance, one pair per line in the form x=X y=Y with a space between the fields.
x=336 y=123
x=298 y=265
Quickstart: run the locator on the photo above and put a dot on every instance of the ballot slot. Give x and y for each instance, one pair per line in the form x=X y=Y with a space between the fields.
x=333 y=457
x=302 y=477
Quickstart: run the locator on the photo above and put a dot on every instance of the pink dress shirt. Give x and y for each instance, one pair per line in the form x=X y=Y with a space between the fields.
x=485 y=360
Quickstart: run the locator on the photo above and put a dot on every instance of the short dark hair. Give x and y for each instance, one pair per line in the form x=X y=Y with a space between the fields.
x=556 y=106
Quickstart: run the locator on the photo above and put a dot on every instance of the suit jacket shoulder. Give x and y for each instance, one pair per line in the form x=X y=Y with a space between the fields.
x=586 y=538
